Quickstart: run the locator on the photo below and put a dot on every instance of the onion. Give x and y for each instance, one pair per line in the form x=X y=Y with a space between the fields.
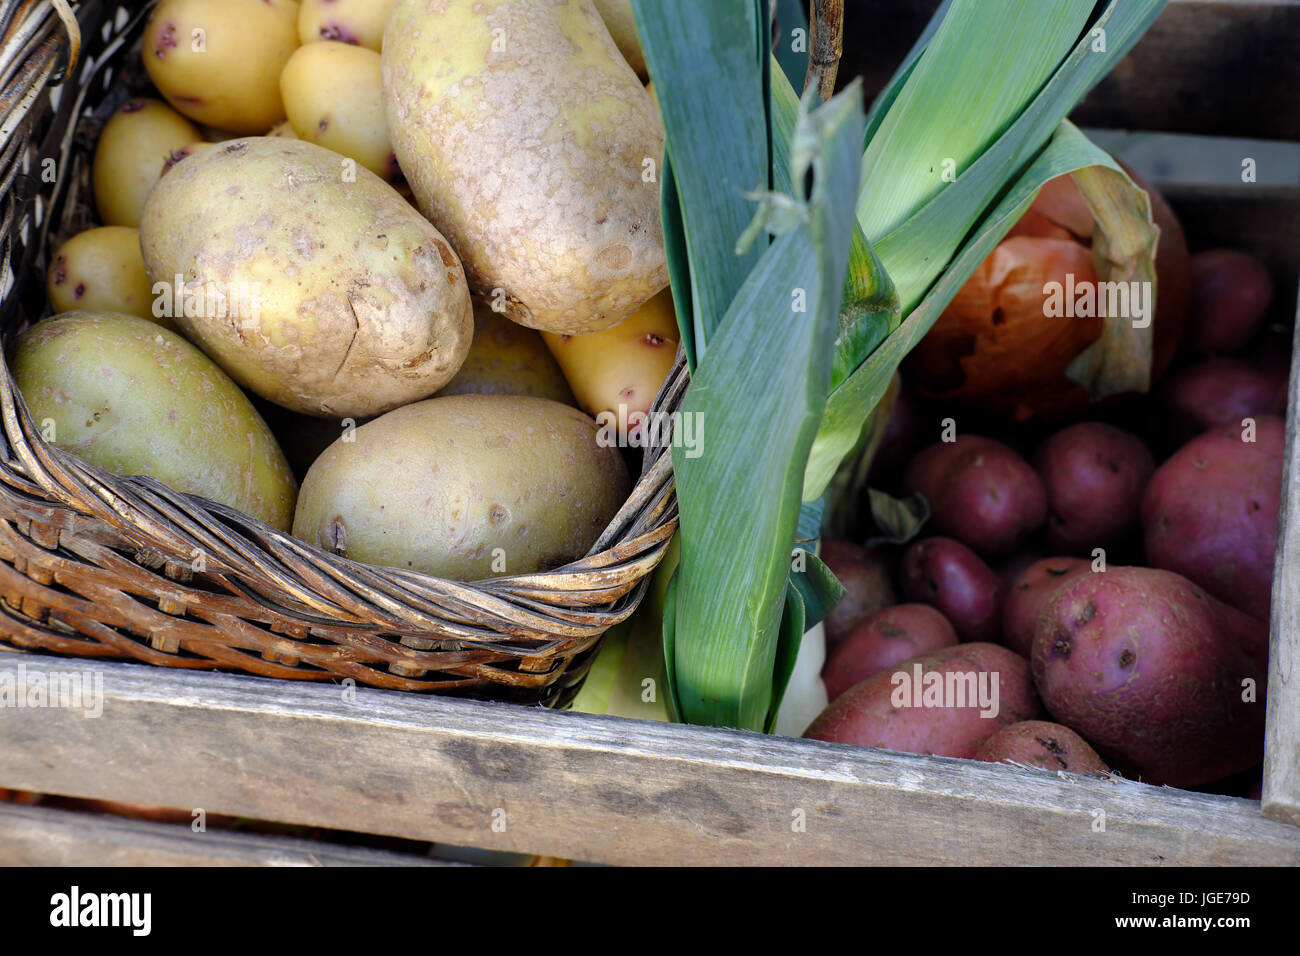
x=994 y=348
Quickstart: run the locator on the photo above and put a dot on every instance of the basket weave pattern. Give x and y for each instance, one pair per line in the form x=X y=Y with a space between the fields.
x=97 y=565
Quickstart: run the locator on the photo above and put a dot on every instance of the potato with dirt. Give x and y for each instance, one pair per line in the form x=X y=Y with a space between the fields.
x=881 y=640
x=465 y=487
x=945 y=574
x=136 y=142
x=530 y=143
x=1210 y=511
x=1094 y=474
x=1041 y=743
x=1154 y=673
x=329 y=297
x=1028 y=594
x=219 y=61
x=136 y=399
x=946 y=703
x=981 y=492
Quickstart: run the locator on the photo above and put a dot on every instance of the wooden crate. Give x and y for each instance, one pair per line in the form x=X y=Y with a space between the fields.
x=620 y=791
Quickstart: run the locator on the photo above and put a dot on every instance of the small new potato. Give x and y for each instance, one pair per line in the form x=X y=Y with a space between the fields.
x=129 y=157
x=102 y=270
x=358 y=22
x=332 y=93
x=507 y=359
x=465 y=487
x=881 y=640
x=530 y=143
x=946 y=574
x=868 y=585
x=136 y=399
x=1041 y=743
x=620 y=370
x=1029 y=592
x=219 y=61
x=327 y=296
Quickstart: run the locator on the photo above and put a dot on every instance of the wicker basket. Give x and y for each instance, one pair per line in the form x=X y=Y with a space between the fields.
x=97 y=565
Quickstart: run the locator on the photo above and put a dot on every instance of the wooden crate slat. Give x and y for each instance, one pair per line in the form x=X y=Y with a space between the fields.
x=1282 y=730
x=599 y=789
x=41 y=836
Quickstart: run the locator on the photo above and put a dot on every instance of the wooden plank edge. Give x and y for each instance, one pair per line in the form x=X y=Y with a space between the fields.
x=599 y=789
x=1281 y=790
x=42 y=836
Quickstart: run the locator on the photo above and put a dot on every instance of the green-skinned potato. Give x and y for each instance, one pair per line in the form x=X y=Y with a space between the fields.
x=465 y=487
x=219 y=61
x=129 y=157
x=340 y=300
x=359 y=22
x=102 y=270
x=333 y=97
x=618 y=17
x=507 y=359
x=529 y=141
x=620 y=370
x=136 y=399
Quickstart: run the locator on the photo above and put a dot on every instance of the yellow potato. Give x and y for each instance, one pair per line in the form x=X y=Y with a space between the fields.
x=359 y=22
x=129 y=157
x=618 y=17
x=283 y=131
x=332 y=94
x=465 y=487
x=136 y=399
x=321 y=291
x=533 y=146
x=219 y=61
x=507 y=359
x=102 y=269
x=620 y=370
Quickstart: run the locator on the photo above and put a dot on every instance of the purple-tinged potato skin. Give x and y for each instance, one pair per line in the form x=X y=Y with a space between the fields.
x=881 y=640
x=981 y=492
x=1210 y=512
x=865 y=714
x=1137 y=661
x=1231 y=293
x=1041 y=743
x=867 y=580
x=946 y=574
x=1094 y=475
x=1027 y=595
x=1223 y=391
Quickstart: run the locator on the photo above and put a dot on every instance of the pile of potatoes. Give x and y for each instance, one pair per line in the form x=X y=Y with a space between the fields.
x=404 y=253
x=1112 y=575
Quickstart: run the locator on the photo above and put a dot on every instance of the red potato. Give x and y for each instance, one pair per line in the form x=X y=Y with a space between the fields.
x=1139 y=662
x=1210 y=512
x=946 y=703
x=883 y=639
x=1231 y=293
x=948 y=575
x=981 y=492
x=1016 y=565
x=1040 y=743
x=1223 y=391
x=1094 y=475
x=867 y=580
x=1027 y=595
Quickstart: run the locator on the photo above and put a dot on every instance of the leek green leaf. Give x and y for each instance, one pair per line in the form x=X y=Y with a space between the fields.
x=789 y=639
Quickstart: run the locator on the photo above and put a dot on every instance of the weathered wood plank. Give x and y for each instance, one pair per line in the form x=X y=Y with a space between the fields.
x=40 y=836
x=1282 y=730
x=1214 y=67
x=599 y=789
